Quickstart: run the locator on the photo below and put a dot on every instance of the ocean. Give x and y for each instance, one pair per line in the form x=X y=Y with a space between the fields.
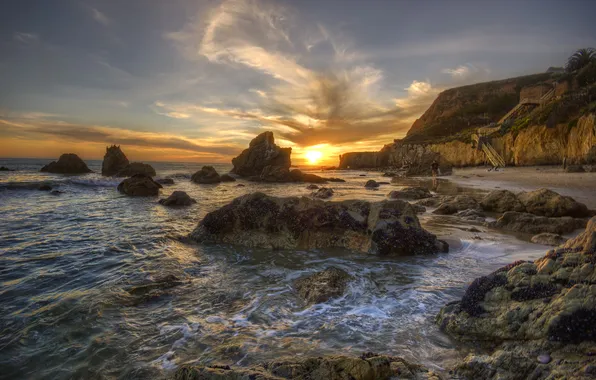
x=71 y=266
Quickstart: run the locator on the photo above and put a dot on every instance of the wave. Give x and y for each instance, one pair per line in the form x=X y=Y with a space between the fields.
x=35 y=185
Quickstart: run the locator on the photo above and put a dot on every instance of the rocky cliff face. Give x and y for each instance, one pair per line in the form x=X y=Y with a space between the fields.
x=262 y=152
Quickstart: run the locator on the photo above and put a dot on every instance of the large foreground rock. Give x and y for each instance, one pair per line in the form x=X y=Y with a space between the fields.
x=139 y=185
x=366 y=367
x=501 y=201
x=546 y=202
x=532 y=224
x=68 y=163
x=545 y=308
x=207 y=175
x=323 y=285
x=261 y=152
x=178 y=198
x=258 y=220
x=113 y=161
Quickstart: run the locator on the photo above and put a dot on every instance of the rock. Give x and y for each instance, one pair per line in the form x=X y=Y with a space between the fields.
x=261 y=152
x=165 y=181
x=362 y=175
x=177 y=198
x=367 y=367
x=136 y=168
x=44 y=187
x=545 y=202
x=471 y=215
x=151 y=290
x=544 y=359
x=323 y=193
x=371 y=184
x=410 y=193
x=322 y=286
x=258 y=220
x=501 y=201
x=68 y=163
x=575 y=169
x=431 y=202
x=532 y=224
x=458 y=203
x=548 y=239
x=275 y=174
x=298 y=176
x=113 y=161
x=56 y=192
x=139 y=185
x=312 y=187
x=5 y=169
x=206 y=175
x=227 y=178
x=418 y=209
x=333 y=179
x=240 y=185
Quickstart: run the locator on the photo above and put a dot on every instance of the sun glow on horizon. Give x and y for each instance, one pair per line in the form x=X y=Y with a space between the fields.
x=313 y=156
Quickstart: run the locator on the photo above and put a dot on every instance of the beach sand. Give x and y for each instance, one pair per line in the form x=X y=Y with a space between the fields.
x=580 y=186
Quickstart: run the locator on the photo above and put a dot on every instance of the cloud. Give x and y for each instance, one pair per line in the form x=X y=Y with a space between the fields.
x=316 y=89
x=100 y=17
x=26 y=38
x=467 y=72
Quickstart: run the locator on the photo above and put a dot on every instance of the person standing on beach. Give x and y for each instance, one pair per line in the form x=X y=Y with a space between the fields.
x=434 y=168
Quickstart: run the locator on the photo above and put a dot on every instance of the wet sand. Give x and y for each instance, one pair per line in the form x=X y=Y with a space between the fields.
x=581 y=186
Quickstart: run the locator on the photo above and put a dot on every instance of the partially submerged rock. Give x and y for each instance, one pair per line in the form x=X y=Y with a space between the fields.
x=178 y=198
x=366 y=367
x=533 y=224
x=322 y=286
x=227 y=178
x=298 y=175
x=312 y=187
x=258 y=220
x=371 y=184
x=165 y=181
x=412 y=193
x=5 y=169
x=261 y=152
x=139 y=185
x=501 y=201
x=323 y=193
x=546 y=202
x=206 y=175
x=546 y=238
x=136 y=168
x=456 y=204
x=113 y=161
x=68 y=163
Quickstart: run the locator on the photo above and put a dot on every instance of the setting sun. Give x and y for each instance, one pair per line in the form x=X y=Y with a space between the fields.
x=313 y=156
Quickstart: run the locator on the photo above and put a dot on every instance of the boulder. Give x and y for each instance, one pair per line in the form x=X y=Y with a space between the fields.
x=471 y=215
x=456 y=204
x=369 y=366
x=139 y=185
x=113 y=161
x=501 y=201
x=410 y=193
x=68 y=163
x=575 y=169
x=533 y=224
x=430 y=202
x=371 y=184
x=136 y=168
x=5 y=169
x=546 y=238
x=333 y=179
x=323 y=193
x=322 y=286
x=418 y=209
x=258 y=220
x=227 y=178
x=548 y=203
x=177 y=198
x=298 y=175
x=275 y=174
x=206 y=175
x=261 y=152
x=312 y=187
x=165 y=181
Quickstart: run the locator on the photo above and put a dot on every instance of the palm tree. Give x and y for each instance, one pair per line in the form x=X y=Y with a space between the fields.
x=580 y=59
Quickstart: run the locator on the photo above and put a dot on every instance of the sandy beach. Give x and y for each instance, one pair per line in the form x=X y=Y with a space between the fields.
x=581 y=186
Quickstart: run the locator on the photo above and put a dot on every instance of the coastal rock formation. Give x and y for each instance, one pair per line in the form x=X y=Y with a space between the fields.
x=545 y=308
x=68 y=163
x=261 y=152
x=323 y=193
x=298 y=175
x=456 y=204
x=323 y=285
x=533 y=224
x=227 y=178
x=206 y=175
x=548 y=203
x=371 y=184
x=136 y=168
x=501 y=201
x=546 y=238
x=177 y=198
x=113 y=161
x=139 y=185
x=412 y=193
x=367 y=367
x=258 y=220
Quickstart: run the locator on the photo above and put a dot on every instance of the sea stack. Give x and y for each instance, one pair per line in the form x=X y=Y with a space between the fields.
x=68 y=163
x=261 y=152
x=116 y=164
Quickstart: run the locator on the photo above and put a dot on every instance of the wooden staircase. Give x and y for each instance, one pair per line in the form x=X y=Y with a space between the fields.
x=491 y=154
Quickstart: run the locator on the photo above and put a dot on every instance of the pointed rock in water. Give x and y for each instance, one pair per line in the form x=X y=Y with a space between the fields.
x=261 y=152
x=206 y=175
x=322 y=286
x=323 y=193
x=178 y=198
x=258 y=220
x=139 y=185
x=113 y=161
x=68 y=163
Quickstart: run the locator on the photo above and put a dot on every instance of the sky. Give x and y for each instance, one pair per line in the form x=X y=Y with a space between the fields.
x=195 y=81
